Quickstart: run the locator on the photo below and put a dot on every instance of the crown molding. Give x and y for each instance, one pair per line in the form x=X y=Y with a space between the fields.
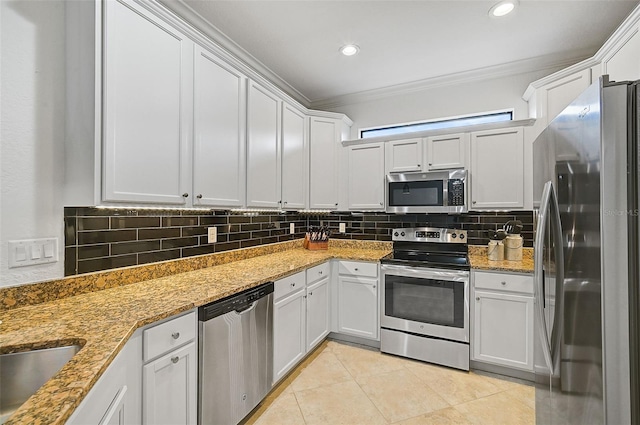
x=539 y=63
x=202 y=30
x=608 y=49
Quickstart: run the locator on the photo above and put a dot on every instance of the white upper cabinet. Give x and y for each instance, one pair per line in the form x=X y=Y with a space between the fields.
x=558 y=95
x=219 y=132
x=366 y=176
x=263 y=148
x=295 y=158
x=446 y=151
x=147 y=107
x=624 y=64
x=323 y=166
x=404 y=155
x=497 y=162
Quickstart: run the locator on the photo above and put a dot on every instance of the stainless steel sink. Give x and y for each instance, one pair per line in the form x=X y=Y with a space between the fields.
x=22 y=374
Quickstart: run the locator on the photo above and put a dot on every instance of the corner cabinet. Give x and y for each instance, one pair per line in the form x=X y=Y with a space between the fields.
x=366 y=176
x=263 y=148
x=148 y=98
x=497 y=163
x=295 y=158
x=219 y=132
x=324 y=145
x=358 y=299
x=503 y=318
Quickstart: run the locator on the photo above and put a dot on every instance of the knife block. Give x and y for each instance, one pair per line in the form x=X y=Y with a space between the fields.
x=315 y=246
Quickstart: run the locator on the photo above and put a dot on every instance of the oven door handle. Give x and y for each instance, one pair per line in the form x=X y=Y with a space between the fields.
x=425 y=273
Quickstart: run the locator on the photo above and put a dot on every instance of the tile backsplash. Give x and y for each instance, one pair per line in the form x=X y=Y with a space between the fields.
x=100 y=239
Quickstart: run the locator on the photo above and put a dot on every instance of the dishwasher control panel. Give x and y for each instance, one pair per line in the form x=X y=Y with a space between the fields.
x=238 y=302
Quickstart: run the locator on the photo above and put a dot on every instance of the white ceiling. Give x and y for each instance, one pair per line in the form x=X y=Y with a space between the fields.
x=406 y=41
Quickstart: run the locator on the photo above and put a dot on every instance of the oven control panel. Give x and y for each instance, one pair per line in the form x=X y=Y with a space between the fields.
x=429 y=234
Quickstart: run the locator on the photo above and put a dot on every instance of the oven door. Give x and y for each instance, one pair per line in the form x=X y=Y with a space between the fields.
x=426 y=301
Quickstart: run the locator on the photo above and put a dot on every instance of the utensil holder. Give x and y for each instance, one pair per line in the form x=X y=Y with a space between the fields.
x=495 y=251
x=513 y=248
x=314 y=245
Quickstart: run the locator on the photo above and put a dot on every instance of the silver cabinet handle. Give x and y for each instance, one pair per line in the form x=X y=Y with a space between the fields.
x=320 y=272
x=310 y=293
x=175 y=359
x=477 y=298
x=293 y=285
x=356 y=269
x=503 y=282
x=185 y=195
x=474 y=202
x=336 y=204
x=199 y=196
x=374 y=286
x=175 y=335
x=419 y=165
x=430 y=164
x=381 y=203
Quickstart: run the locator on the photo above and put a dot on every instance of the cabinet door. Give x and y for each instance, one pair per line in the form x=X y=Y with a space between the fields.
x=366 y=177
x=317 y=312
x=148 y=91
x=295 y=158
x=446 y=151
x=497 y=163
x=263 y=148
x=556 y=96
x=323 y=169
x=503 y=329
x=219 y=132
x=358 y=306
x=404 y=155
x=170 y=387
x=288 y=333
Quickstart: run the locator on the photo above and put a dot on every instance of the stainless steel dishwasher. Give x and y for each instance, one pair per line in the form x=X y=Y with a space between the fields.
x=235 y=355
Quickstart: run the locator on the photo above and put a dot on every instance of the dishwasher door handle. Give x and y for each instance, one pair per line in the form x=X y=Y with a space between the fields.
x=248 y=309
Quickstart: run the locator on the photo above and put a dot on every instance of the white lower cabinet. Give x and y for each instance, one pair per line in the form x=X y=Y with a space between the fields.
x=358 y=299
x=503 y=320
x=116 y=397
x=170 y=376
x=170 y=385
x=300 y=316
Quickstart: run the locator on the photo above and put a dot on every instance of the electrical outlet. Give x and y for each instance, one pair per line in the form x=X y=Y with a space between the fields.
x=212 y=235
x=342 y=228
x=292 y=228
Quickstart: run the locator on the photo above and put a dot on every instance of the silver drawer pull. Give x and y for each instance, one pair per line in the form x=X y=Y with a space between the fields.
x=356 y=269
x=503 y=282
x=293 y=285
x=477 y=298
x=175 y=359
x=175 y=335
x=320 y=272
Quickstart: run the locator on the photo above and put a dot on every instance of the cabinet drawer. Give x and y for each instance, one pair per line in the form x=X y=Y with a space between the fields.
x=359 y=269
x=318 y=272
x=288 y=284
x=166 y=336
x=504 y=282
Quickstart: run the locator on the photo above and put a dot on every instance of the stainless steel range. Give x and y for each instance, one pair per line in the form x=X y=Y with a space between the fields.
x=425 y=296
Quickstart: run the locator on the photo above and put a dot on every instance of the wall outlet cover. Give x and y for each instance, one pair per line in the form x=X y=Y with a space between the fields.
x=212 y=234
x=342 y=227
x=292 y=228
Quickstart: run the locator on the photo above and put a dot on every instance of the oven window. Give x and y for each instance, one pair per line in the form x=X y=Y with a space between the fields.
x=417 y=194
x=439 y=302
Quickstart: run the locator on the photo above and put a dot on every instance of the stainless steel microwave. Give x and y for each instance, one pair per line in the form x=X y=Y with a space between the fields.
x=427 y=192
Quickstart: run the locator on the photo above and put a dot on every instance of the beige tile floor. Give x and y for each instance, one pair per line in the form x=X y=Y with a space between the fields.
x=341 y=383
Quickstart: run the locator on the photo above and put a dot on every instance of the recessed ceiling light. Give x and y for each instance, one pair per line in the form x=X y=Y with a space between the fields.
x=503 y=8
x=349 y=49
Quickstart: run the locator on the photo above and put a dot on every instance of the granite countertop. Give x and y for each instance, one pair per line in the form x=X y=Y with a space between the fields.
x=79 y=310
x=480 y=261
x=102 y=321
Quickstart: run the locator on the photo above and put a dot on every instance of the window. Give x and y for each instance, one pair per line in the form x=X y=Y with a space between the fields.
x=438 y=124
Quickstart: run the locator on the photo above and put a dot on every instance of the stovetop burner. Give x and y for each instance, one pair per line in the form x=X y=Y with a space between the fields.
x=429 y=247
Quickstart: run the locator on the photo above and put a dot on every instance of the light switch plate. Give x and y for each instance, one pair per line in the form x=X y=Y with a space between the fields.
x=212 y=234
x=342 y=227
x=31 y=252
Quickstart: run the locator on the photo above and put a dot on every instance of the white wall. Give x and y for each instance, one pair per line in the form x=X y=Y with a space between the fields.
x=32 y=96
x=444 y=101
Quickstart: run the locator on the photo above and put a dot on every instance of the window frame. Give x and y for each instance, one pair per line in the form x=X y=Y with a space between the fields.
x=362 y=131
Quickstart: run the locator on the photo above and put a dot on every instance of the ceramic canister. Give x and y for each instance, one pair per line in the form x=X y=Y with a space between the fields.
x=495 y=250
x=513 y=248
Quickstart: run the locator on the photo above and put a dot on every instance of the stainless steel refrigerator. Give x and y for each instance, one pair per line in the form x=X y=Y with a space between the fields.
x=587 y=260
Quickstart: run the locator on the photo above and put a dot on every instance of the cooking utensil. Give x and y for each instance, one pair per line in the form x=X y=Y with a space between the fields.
x=497 y=235
x=513 y=227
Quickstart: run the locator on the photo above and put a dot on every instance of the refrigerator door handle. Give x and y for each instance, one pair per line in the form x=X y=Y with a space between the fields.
x=556 y=330
x=538 y=274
